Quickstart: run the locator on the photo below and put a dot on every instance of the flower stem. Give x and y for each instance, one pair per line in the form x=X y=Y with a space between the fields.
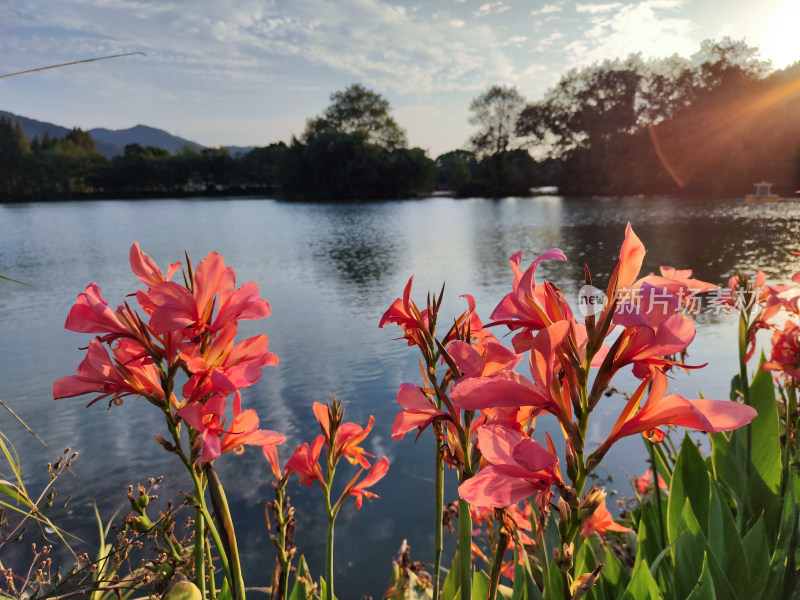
x=329 y=556
x=656 y=493
x=199 y=488
x=465 y=548
x=437 y=531
x=222 y=510
x=199 y=553
x=497 y=564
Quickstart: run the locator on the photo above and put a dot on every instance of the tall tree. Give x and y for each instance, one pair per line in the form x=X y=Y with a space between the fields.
x=358 y=110
x=495 y=111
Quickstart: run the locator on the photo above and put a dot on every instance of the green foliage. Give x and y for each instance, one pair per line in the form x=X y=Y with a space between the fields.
x=495 y=111
x=358 y=110
x=335 y=165
x=183 y=590
x=730 y=530
x=712 y=124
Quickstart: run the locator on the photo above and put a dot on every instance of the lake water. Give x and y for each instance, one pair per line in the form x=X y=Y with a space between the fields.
x=329 y=272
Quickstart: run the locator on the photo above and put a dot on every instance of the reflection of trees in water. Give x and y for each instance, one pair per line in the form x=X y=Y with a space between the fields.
x=500 y=228
x=711 y=238
x=359 y=243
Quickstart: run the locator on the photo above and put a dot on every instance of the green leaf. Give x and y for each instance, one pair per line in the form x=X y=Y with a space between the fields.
x=756 y=549
x=450 y=587
x=525 y=587
x=765 y=452
x=554 y=583
x=480 y=585
x=614 y=579
x=642 y=586
x=687 y=554
x=323 y=588
x=225 y=593
x=14 y=281
x=649 y=543
x=184 y=590
x=663 y=464
x=583 y=561
x=303 y=586
x=730 y=464
x=726 y=548
x=704 y=590
x=689 y=481
x=783 y=565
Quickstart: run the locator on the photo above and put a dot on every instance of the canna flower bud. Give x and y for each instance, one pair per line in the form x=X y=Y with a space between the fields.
x=593 y=499
x=563 y=516
x=140 y=524
x=563 y=556
x=166 y=445
x=584 y=583
x=572 y=461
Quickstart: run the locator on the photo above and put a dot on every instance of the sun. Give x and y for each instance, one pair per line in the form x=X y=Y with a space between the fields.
x=778 y=39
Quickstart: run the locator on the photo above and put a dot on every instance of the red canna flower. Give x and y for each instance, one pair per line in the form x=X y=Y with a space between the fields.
x=224 y=367
x=519 y=468
x=474 y=361
x=526 y=307
x=178 y=308
x=375 y=474
x=654 y=329
x=601 y=521
x=659 y=410
x=131 y=372
x=404 y=312
x=305 y=462
x=785 y=352
x=346 y=436
x=92 y=314
x=148 y=273
x=218 y=437
x=418 y=411
x=507 y=388
x=645 y=482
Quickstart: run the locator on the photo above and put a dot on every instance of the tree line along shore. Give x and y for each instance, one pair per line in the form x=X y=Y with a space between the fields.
x=708 y=125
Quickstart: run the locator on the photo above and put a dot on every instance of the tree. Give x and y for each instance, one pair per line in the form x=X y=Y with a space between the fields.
x=496 y=112
x=456 y=170
x=358 y=110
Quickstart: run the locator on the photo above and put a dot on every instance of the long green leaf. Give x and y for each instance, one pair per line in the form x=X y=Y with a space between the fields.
x=704 y=590
x=642 y=585
x=725 y=546
x=765 y=453
x=756 y=549
x=480 y=585
x=689 y=481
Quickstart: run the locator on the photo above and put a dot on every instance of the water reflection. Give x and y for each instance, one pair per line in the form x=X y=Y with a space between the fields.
x=358 y=240
x=329 y=271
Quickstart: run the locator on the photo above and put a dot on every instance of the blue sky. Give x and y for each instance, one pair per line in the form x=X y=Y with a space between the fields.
x=250 y=72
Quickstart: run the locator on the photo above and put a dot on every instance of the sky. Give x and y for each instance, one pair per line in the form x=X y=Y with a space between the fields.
x=251 y=72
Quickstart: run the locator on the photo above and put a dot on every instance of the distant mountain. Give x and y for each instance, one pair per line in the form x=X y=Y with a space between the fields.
x=33 y=128
x=108 y=142
x=112 y=142
x=237 y=151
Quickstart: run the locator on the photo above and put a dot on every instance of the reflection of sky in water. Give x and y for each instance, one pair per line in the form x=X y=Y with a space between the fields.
x=329 y=271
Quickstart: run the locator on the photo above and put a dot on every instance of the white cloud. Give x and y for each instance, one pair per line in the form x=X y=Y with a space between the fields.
x=244 y=41
x=547 y=43
x=619 y=30
x=492 y=8
x=534 y=70
x=594 y=9
x=547 y=9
